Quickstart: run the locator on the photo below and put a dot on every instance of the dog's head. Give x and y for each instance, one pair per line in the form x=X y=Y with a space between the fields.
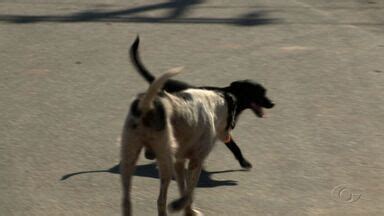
x=252 y=95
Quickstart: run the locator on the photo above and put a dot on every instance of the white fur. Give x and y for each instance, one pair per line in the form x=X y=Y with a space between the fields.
x=194 y=120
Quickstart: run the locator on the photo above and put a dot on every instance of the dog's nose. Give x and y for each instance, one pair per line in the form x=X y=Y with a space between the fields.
x=270 y=105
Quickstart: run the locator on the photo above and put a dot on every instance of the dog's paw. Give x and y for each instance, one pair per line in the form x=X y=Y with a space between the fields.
x=178 y=204
x=245 y=164
x=194 y=212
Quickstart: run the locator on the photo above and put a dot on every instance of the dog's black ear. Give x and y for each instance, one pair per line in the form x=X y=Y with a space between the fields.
x=235 y=86
x=235 y=83
x=242 y=83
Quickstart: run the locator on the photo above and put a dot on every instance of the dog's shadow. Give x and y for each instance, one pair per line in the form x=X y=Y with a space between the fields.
x=150 y=170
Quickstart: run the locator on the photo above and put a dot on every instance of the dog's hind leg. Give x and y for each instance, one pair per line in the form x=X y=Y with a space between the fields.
x=193 y=175
x=180 y=175
x=130 y=150
x=164 y=158
x=192 y=178
x=165 y=171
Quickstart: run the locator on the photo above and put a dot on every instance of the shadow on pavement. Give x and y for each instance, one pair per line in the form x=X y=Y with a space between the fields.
x=150 y=170
x=178 y=9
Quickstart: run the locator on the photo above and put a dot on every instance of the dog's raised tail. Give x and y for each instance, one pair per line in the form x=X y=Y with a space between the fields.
x=146 y=103
x=137 y=63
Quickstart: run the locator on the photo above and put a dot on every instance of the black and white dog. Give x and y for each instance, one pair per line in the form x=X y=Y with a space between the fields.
x=243 y=94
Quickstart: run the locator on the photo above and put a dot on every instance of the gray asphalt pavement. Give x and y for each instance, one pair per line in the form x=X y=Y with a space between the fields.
x=66 y=84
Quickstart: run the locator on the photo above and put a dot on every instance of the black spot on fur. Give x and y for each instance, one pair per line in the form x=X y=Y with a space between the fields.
x=161 y=94
x=185 y=96
x=135 y=108
x=155 y=118
x=130 y=123
x=133 y=125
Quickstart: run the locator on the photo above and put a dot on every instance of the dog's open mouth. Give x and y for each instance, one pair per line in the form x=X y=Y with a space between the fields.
x=258 y=110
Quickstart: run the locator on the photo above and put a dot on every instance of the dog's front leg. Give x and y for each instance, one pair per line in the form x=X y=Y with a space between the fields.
x=237 y=153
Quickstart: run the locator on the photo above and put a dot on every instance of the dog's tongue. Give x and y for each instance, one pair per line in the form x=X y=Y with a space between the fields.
x=258 y=110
